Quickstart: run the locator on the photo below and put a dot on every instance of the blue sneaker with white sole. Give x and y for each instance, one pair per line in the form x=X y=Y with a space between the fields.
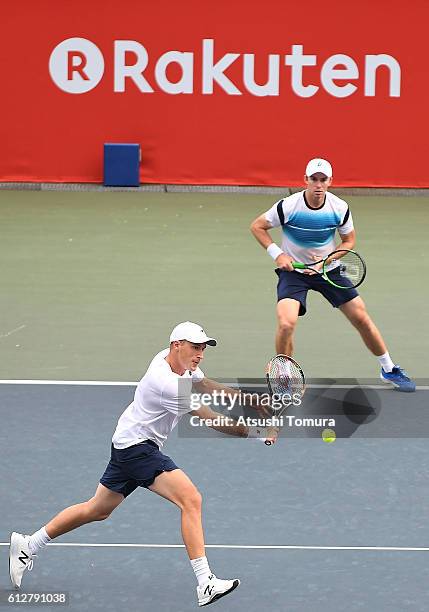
x=399 y=379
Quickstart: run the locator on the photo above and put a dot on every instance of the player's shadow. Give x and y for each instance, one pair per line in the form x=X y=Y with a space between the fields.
x=352 y=409
x=360 y=407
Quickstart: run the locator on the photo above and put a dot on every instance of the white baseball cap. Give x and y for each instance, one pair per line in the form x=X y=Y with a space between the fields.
x=318 y=165
x=192 y=332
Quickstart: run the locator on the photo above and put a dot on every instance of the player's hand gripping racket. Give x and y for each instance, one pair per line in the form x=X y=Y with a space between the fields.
x=342 y=268
x=284 y=378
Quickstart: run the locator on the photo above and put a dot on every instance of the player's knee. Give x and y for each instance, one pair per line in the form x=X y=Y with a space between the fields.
x=95 y=513
x=362 y=319
x=192 y=500
x=286 y=326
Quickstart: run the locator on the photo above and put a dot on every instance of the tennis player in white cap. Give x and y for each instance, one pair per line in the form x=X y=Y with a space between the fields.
x=310 y=221
x=161 y=398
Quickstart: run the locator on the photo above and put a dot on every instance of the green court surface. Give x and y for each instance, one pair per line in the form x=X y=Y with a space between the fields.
x=92 y=283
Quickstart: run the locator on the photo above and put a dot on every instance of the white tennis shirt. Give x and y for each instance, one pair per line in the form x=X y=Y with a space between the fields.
x=309 y=231
x=161 y=399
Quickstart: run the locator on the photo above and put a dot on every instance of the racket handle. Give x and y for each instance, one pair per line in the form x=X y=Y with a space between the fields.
x=298 y=266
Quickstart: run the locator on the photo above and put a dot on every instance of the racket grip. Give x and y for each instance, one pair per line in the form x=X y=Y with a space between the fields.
x=298 y=266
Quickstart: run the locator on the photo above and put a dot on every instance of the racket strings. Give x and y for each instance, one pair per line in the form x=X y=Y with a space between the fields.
x=349 y=271
x=285 y=376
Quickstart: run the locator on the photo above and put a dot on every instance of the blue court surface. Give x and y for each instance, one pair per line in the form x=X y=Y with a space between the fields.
x=306 y=526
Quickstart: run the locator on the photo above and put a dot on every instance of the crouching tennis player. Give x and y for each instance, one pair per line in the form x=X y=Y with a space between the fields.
x=162 y=397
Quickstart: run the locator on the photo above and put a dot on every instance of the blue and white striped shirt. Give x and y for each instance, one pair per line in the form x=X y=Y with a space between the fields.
x=309 y=232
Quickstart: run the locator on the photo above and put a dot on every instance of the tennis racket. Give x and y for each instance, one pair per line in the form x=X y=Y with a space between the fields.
x=342 y=268
x=284 y=376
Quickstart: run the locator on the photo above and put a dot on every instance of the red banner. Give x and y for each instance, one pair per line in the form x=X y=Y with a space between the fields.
x=216 y=92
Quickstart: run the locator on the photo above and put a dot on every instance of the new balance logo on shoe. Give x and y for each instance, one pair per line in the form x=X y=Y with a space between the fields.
x=208 y=590
x=24 y=557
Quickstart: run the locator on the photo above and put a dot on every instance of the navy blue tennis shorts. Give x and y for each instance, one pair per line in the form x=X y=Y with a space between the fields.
x=135 y=466
x=296 y=285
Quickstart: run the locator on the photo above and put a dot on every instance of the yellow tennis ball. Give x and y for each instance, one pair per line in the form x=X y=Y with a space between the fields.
x=329 y=435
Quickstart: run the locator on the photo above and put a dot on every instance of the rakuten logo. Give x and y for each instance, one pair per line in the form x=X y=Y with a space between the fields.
x=76 y=66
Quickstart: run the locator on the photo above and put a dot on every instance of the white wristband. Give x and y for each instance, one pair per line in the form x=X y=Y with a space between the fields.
x=274 y=251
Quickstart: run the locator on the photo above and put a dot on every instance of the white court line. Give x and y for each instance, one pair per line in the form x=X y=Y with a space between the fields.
x=244 y=547
x=109 y=383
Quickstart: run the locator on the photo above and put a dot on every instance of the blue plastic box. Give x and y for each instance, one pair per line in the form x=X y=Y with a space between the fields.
x=121 y=165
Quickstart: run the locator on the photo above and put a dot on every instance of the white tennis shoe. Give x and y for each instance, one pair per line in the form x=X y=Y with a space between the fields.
x=214 y=589
x=20 y=558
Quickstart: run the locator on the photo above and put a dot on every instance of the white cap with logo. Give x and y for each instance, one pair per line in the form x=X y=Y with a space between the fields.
x=192 y=332
x=318 y=165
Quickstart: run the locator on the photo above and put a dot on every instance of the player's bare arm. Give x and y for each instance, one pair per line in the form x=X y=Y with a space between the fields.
x=260 y=228
x=348 y=241
x=207 y=385
x=221 y=422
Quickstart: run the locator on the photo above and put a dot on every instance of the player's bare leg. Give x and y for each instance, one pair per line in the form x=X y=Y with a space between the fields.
x=178 y=488
x=287 y=317
x=97 y=508
x=358 y=316
x=391 y=373
x=23 y=547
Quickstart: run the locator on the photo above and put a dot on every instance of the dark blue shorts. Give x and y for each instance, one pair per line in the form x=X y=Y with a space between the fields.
x=295 y=285
x=136 y=466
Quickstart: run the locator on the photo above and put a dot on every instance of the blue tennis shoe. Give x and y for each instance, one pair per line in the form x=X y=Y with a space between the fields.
x=399 y=379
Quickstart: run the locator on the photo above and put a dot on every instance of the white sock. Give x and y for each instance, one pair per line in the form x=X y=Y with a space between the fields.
x=386 y=362
x=201 y=569
x=38 y=540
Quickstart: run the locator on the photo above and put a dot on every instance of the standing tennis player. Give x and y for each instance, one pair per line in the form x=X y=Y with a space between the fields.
x=162 y=397
x=309 y=220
